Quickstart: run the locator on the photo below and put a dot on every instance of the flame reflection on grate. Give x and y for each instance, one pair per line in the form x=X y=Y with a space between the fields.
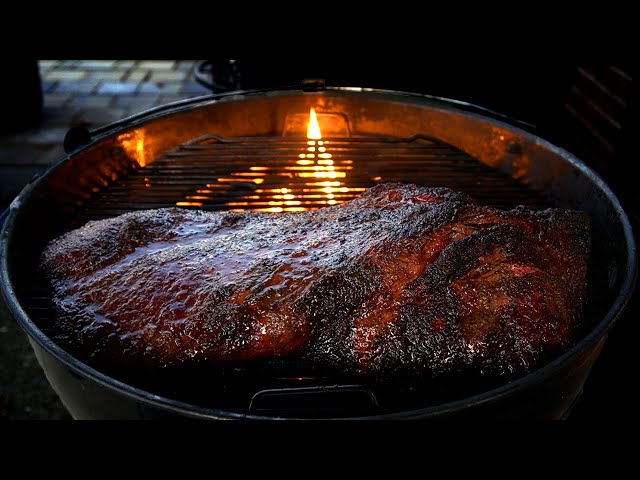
x=306 y=178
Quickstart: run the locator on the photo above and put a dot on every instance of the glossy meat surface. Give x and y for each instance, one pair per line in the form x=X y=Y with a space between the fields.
x=401 y=279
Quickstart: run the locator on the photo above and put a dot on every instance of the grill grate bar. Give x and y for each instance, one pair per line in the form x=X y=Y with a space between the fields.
x=292 y=174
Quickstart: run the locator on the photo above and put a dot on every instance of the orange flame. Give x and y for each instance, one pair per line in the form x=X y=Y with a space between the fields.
x=313 y=178
x=313 y=129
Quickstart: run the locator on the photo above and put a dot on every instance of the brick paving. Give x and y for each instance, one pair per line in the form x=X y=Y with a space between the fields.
x=91 y=93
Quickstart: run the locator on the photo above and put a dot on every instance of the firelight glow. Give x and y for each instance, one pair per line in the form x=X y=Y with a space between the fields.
x=301 y=180
x=313 y=129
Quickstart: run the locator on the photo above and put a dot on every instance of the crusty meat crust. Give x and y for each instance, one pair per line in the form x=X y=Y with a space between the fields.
x=401 y=279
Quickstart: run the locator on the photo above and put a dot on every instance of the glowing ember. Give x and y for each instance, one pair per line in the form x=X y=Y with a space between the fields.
x=133 y=145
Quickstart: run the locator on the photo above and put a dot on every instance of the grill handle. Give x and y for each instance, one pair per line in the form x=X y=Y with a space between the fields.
x=305 y=402
x=75 y=138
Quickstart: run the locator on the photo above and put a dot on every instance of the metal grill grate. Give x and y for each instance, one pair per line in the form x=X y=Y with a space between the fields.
x=278 y=174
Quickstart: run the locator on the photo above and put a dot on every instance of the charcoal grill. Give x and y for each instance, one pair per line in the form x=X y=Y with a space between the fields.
x=241 y=151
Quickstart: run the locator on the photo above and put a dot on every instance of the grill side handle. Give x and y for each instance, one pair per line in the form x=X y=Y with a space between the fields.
x=306 y=402
x=75 y=138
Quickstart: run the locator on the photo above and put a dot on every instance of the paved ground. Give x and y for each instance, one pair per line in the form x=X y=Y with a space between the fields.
x=76 y=92
x=90 y=93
